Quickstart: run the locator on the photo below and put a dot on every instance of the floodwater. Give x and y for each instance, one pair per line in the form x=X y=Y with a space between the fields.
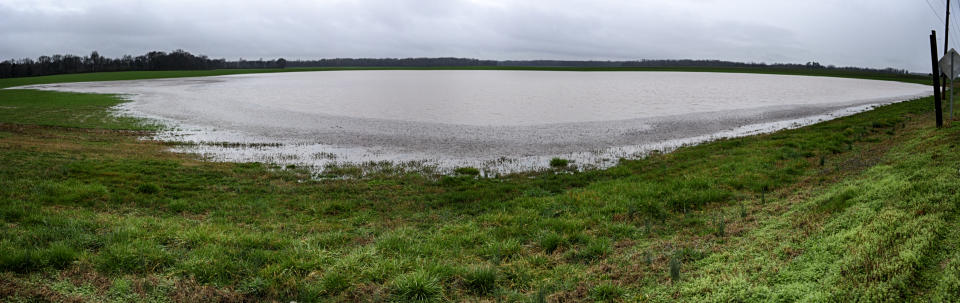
x=499 y=121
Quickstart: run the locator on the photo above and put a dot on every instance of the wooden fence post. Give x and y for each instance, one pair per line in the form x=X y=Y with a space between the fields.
x=936 y=78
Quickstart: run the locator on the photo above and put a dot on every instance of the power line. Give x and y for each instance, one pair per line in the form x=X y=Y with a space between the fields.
x=937 y=14
x=934 y=11
x=954 y=43
x=953 y=23
x=953 y=27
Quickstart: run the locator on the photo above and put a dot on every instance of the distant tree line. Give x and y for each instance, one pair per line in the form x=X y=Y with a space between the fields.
x=69 y=64
x=183 y=60
x=692 y=63
x=719 y=63
x=392 y=62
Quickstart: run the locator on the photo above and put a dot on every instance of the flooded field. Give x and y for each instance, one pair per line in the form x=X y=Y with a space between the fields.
x=499 y=121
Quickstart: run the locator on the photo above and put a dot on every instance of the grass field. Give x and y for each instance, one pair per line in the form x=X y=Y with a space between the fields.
x=862 y=208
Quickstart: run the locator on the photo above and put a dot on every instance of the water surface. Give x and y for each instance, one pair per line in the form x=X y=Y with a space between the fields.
x=501 y=121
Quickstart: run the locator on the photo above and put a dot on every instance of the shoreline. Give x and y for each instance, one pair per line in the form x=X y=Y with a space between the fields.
x=492 y=149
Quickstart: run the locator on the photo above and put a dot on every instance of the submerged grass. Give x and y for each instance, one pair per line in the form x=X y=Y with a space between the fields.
x=855 y=209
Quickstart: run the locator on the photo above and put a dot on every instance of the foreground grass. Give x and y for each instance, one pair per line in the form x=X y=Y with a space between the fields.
x=859 y=208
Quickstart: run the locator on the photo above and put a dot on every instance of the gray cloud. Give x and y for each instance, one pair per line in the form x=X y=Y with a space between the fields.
x=876 y=33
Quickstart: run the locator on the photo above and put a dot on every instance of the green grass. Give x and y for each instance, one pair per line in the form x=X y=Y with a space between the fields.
x=481 y=280
x=91 y=213
x=135 y=75
x=559 y=163
x=64 y=109
x=467 y=171
x=606 y=292
x=419 y=286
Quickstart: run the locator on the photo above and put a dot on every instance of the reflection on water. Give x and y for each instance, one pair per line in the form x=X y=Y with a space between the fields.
x=501 y=121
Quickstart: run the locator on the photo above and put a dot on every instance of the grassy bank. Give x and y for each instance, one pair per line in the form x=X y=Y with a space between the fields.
x=859 y=208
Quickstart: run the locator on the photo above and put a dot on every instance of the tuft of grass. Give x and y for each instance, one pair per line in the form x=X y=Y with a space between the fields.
x=559 y=162
x=335 y=282
x=594 y=250
x=148 y=188
x=467 y=171
x=674 y=268
x=646 y=209
x=178 y=206
x=551 y=242
x=20 y=260
x=536 y=192
x=481 y=280
x=540 y=296
x=23 y=260
x=501 y=250
x=211 y=264
x=606 y=292
x=59 y=255
x=720 y=226
x=120 y=287
x=838 y=200
x=418 y=286
x=133 y=256
x=72 y=192
x=255 y=286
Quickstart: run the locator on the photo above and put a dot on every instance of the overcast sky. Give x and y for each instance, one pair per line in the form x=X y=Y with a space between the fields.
x=869 y=33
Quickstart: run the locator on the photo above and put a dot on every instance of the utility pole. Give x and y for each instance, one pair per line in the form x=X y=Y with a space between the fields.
x=936 y=78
